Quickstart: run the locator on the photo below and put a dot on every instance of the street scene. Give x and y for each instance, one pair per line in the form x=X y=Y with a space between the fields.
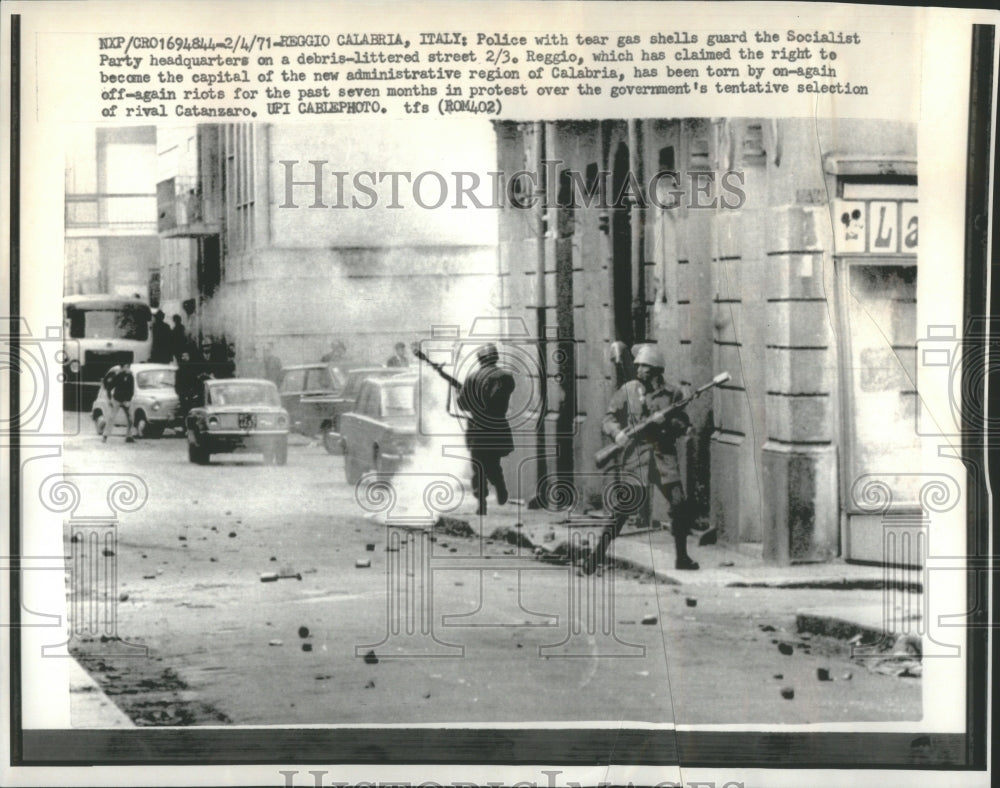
x=208 y=638
x=635 y=442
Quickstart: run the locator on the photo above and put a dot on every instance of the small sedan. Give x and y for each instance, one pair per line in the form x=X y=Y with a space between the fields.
x=238 y=414
x=344 y=400
x=381 y=431
x=154 y=404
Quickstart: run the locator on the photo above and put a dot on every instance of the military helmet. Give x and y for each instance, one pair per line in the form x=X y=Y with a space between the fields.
x=650 y=355
x=488 y=352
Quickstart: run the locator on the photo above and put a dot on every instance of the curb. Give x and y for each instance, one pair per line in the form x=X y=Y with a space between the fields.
x=840 y=628
x=830 y=584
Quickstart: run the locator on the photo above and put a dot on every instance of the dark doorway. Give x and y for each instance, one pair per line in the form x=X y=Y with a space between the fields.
x=209 y=266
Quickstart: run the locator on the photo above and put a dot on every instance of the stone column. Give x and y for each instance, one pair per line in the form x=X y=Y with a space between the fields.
x=800 y=493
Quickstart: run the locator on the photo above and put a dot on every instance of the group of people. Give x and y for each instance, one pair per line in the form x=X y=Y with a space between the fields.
x=195 y=362
x=167 y=342
x=648 y=457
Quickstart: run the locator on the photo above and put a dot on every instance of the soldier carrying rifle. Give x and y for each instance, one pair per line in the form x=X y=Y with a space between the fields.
x=647 y=452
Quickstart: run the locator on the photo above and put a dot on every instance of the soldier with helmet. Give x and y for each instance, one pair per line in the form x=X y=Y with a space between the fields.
x=485 y=397
x=651 y=457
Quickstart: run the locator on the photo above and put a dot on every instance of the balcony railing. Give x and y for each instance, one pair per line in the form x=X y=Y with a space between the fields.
x=113 y=213
x=182 y=210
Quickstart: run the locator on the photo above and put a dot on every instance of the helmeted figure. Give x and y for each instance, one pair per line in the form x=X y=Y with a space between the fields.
x=485 y=397
x=651 y=458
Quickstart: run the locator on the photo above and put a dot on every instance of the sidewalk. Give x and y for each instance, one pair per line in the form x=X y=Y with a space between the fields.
x=651 y=552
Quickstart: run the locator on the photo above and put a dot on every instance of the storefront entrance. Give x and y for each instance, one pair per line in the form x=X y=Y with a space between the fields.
x=876 y=245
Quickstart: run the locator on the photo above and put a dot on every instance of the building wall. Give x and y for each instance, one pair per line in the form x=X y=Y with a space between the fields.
x=748 y=289
x=110 y=217
x=300 y=278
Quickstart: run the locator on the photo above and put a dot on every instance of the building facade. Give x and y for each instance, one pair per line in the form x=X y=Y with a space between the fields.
x=111 y=245
x=783 y=252
x=253 y=249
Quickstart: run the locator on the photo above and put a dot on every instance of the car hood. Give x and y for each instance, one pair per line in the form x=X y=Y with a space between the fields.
x=164 y=394
x=402 y=425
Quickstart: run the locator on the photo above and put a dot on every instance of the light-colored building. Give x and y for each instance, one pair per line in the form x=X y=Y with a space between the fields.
x=111 y=244
x=781 y=251
x=251 y=242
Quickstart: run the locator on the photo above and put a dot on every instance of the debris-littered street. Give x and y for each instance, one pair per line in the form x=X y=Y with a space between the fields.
x=256 y=594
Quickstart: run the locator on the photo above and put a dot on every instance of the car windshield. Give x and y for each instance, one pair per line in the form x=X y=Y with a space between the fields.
x=128 y=322
x=243 y=394
x=398 y=400
x=155 y=379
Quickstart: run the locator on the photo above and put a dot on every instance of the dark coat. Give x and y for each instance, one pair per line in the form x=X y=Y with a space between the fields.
x=122 y=386
x=162 y=350
x=630 y=405
x=178 y=340
x=485 y=397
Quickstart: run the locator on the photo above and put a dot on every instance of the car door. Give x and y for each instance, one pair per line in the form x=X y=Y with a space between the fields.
x=314 y=403
x=292 y=386
x=356 y=425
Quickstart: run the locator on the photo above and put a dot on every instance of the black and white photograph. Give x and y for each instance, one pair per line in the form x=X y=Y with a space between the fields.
x=499 y=402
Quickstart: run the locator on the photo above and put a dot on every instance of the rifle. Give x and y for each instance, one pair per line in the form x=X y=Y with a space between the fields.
x=603 y=456
x=439 y=368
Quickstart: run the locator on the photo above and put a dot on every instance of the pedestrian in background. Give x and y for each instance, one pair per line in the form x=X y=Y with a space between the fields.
x=485 y=397
x=161 y=351
x=191 y=367
x=649 y=458
x=121 y=389
x=399 y=358
x=273 y=369
x=336 y=353
x=178 y=338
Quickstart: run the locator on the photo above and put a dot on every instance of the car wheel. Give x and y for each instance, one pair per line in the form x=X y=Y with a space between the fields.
x=99 y=422
x=351 y=472
x=141 y=425
x=153 y=430
x=196 y=453
x=281 y=452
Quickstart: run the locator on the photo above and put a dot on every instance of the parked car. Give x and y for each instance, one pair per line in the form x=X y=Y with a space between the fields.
x=310 y=392
x=154 y=405
x=381 y=430
x=237 y=414
x=343 y=401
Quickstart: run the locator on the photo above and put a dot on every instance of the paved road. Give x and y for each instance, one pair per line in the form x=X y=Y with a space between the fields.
x=510 y=639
